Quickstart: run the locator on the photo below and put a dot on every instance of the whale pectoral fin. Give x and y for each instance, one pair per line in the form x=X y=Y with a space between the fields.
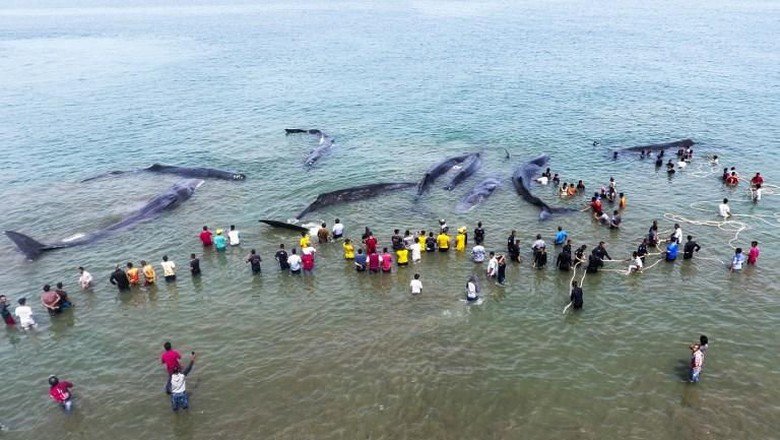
x=30 y=247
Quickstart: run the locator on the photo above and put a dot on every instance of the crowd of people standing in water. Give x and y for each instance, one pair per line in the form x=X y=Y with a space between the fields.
x=367 y=256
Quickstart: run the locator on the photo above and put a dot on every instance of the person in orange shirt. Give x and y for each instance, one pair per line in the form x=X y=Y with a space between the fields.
x=133 y=275
x=150 y=276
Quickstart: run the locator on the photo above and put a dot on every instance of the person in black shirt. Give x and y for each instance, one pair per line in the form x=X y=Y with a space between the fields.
x=601 y=252
x=641 y=251
x=540 y=257
x=510 y=242
x=281 y=257
x=119 y=279
x=564 y=261
x=514 y=251
x=194 y=265
x=430 y=243
x=579 y=254
x=594 y=263
x=396 y=240
x=254 y=260
x=576 y=296
x=567 y=247
x=479 y=234
x=690 y=247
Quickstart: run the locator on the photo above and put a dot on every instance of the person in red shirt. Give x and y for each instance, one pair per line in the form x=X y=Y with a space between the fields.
x=371 y=243
x=205 y=237
x=307 y=261
x=732 y=179
x=60 y=392
x=757 y=180
x=170 y=358
x=595 y=205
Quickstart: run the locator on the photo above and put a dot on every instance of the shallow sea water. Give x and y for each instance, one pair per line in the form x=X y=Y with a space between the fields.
x=92 y=86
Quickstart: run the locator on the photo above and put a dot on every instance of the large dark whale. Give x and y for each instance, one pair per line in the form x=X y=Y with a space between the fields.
x=522 y=179
x=684 y=143
x=437 y=170
x=324 y=146
x=470 y=166
x=194 y=173
x=353 y=194
x=478 y=194
x=284 y=225
x=170 y=199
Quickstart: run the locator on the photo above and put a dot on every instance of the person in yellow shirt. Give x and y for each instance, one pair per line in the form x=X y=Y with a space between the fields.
x=460 y=239
x=150 y=276
x=623 y=201
x=305 y=240
x=443 y=241
x=421 y=239
x=402 y=256
x=349 y=250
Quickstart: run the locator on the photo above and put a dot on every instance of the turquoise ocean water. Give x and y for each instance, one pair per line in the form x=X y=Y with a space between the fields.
x=89 y=87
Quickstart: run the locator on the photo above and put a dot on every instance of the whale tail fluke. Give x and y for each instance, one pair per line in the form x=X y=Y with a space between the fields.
x=30 y=247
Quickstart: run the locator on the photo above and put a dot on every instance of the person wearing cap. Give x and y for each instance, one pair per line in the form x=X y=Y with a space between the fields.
x=85 y=278
x=25 y=314
x=119 y=279
x=460 y=239
x=220 y=242
x=59 y=390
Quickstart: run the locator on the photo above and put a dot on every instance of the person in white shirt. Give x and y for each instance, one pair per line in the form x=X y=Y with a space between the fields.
x=682 y=164
x=294 y=261
x=478 y=253
x=169 y=269
x=542 y=180
x=472 y=289
x=416 y=254
x=85 y=279
x=539 y=243
x=492 y=268
x=179 y=398
x=416 y=285
x=25 y=314
x=677 y=235
x=636 y=264
x=338 y=230
x=724 y=210
x=233 y=237
x=756 y=192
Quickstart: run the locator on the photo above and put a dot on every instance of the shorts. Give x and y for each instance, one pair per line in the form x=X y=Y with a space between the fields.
x=170 y=278
x=694 y=377
x=337 y=236
x=403 y=264
x=444 y=249
x=179 y=400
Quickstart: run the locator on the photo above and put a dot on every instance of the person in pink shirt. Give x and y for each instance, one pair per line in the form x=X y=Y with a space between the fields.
x=753 y=253
x=60 y=392
x=307 y=259
x=206 y=237
x=170 y=358
x=373 y=262
x=387 y=261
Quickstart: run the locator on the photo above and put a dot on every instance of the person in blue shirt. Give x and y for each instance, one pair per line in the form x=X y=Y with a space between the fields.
x=671 y=251
x=220 y=242
x=561 y=236
x=360 y=261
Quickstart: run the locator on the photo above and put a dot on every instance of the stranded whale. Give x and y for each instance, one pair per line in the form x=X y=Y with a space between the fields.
x=194 y=173
x=170 y=199
x=353 y=194
x=324 y=146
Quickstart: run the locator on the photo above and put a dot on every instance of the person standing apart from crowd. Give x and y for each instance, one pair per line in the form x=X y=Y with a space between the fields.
x=753 y=253
x=576 y=296
x=416 y=285
x=234 y=236
x=206 y=237
x=338 y=230
x=179 y=397
x=724 y=210
x=194 y=265
x=169 y=269
x=697 y=362
x=561 y=236
x=59 y=391
x=119 y=279
x=85 y=279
